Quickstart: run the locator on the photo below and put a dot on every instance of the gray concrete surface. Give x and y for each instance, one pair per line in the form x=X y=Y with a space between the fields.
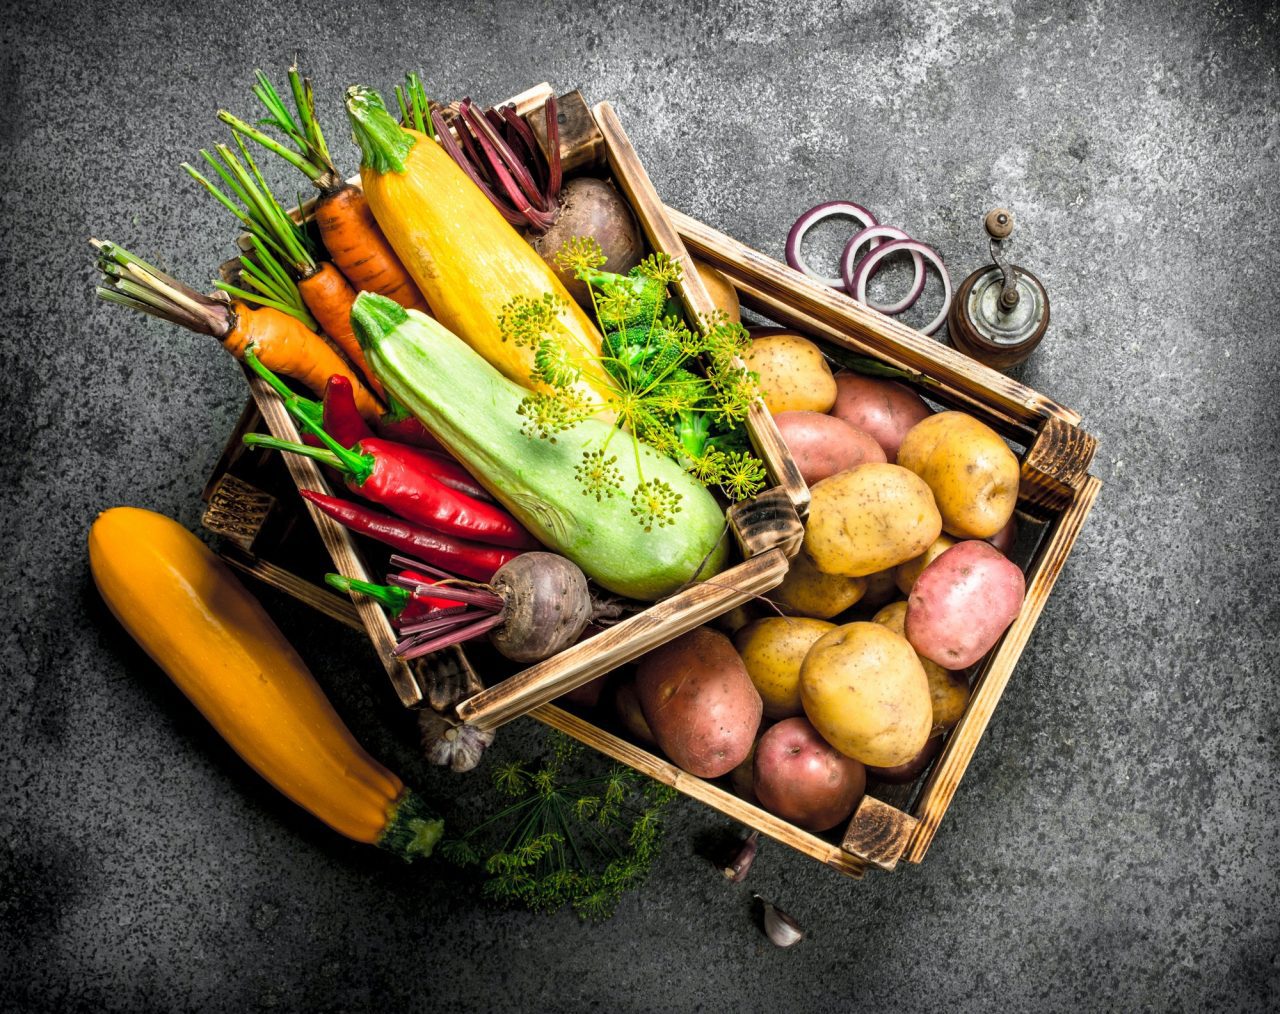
x=1114 y=845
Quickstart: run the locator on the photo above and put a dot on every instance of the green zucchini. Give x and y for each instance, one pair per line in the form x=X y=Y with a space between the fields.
x=472 y=409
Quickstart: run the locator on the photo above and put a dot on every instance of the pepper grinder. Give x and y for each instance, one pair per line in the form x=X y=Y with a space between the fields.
x=1001 y=311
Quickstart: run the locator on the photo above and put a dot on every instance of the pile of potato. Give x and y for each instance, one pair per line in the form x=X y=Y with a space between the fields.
x=904 y=500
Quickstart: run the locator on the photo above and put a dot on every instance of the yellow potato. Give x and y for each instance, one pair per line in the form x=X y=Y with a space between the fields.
x=772 y=650
x=869 y=519
x=721 y=290
x=905 y=574
x=865 y=691
x=948 y=691
x=806 y=591
x=793 y=375
x=972 y=472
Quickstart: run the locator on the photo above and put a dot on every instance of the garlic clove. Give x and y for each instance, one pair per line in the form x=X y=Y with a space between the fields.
x=740 y=865
x=451 y=744
x=781 y=929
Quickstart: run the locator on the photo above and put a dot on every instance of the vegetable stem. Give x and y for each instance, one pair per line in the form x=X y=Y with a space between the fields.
x=384 y=144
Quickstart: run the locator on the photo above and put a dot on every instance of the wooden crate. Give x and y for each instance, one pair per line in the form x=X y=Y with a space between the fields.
x=253 y=504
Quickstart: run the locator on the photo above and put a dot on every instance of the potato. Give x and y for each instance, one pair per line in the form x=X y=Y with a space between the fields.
x=905 y=574
x=721 y=290
x=772 y=650
x=823 y=445
x=864 y=690
x=806 y=591
x=800 y=777
x=883 y=408
x=972 y=472
x=868 y=519
x=627 y=704
x=962 y=603
x=948 y=691
x=698 y=700
x=904 y=774
x=793 y=375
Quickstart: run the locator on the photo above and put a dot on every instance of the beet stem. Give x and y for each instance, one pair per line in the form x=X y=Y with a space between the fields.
x=553 y=148
x=537 y=218
x=450 y=145
x=453 y=637
x=413 y=632
x=409 y=563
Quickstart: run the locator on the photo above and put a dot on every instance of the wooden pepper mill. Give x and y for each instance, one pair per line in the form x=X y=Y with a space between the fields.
x=1001 y=311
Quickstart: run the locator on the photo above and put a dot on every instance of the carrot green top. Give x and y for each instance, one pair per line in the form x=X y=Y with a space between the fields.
x=383 y=142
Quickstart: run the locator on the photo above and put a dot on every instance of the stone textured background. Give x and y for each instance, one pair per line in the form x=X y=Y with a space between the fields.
x=1114 y=844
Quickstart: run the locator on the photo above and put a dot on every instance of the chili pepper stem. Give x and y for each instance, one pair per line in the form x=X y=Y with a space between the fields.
x=392 y=597
x=356 y=465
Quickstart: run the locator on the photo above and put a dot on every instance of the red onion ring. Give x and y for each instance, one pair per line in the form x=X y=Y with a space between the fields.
x=870 y=261
x=811 y=218
x=881 y=233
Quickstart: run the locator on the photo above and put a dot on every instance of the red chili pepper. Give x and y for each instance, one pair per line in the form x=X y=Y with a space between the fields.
x=341 y=417
x=397 y=424
x=458 y=556
x=404 y=605
x=399 y=477
x=391 y=475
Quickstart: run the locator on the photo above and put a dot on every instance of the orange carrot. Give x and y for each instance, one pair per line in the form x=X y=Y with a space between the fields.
x=286 y=346
x=279 y=333
x=357 y=245
x=329 y=296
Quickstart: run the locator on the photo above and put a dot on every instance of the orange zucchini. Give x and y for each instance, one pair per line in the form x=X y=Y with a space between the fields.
x=216 y=642
x=463 y=255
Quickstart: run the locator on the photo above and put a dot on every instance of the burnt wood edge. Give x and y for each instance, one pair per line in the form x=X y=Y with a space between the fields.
x=1056 y=465
x=950 y=767
x=863 y=329
x=878 y=833
x=619 y=644
x=581 y=143
x=696 y=788
x=237 y=512
x=632 y=179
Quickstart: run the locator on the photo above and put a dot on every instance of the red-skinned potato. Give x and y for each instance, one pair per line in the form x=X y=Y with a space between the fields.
x=883 y=408
x=903 y=774
x=699 y=702
x=961 y=604
x=587 y=695
x=823 y=445
x=905 y=574
x=802 y=778
x=742 y=778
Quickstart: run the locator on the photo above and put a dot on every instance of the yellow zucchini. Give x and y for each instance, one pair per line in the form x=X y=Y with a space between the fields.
x=216 y=642
x=464 y=256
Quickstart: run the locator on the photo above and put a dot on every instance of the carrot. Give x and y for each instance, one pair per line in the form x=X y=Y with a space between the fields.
x=277 y=329
x=357 y=245
x=284 y=248
x=329 y=296
x=347 y=226
x=285 y=346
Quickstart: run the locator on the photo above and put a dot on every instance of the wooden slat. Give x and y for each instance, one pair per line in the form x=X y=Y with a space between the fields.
x=320 y=599
x=237 y=511
x=630 y=176
x=890 y=340
x=342 y=549
x=878 y=833
x=696 y=788
x=619 y=644
x=963 y=741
